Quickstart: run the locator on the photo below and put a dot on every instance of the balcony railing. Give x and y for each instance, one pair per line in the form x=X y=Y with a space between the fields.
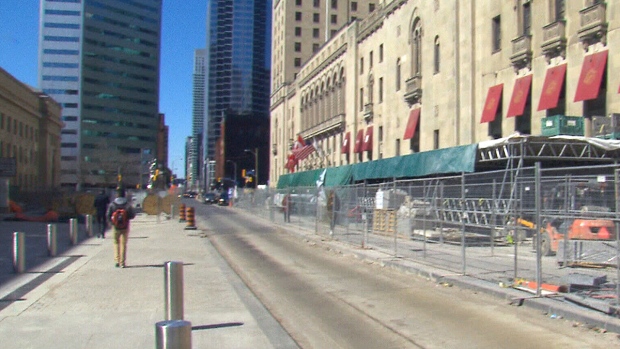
x=593 y=24
x=554 y=39
x=521 y=51
x=413 y=89
x=331 y=125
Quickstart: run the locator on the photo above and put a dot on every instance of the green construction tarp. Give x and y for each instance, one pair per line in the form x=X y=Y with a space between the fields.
x=435 y=162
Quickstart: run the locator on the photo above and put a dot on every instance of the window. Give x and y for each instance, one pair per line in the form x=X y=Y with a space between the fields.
x=497 y=34
x=61 y=38
x=380 y=90
x=316 y=18
x=298 y=2
x=315 y=32
x=398 y=74
x=371 y=7
x=62 y=13
x=317 y=3
x=298 y=62
x=361 y=99
x=527 y=19
x=380 y=53
x=354 y=6
x=297 y=31
x=315 y=48
x=298 y=16
x=560 y=10
x=436 y=60
x=335 y=4
x=370 y=60
x=436 y=139
x=298 y=47
x=361 y=65
x=333 y=32
x=397 y=147
x=334 y=19
x=417 y=48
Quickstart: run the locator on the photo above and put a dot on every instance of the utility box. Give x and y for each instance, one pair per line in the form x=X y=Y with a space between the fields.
x=562 y=125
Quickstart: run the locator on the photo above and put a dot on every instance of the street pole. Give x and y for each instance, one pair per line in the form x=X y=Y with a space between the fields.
x=256 y=165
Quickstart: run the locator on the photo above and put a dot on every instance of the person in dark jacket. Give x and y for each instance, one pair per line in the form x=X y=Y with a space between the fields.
x=333 y=206
x=121 y=231
x=101 y=205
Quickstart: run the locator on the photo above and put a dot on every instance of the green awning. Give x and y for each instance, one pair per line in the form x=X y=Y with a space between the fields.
x=434 y=162
x=338 y=176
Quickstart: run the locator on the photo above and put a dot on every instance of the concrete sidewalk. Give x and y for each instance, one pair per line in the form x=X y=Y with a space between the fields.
x=80 y=300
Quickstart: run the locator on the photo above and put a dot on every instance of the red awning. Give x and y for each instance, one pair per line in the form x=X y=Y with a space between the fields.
x=519 y=96
x=591 y=74
x=359 y=139
x=490 y=106
x=414 y=116
x=346 y=142
x=552 y=87
x=368 y=140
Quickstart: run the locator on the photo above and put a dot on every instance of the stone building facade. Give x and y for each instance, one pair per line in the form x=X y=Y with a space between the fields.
x=416 y=75
x=30 y=128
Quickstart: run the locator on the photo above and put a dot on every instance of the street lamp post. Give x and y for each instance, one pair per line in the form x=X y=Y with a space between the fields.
x=255 y=153
x=235 y=174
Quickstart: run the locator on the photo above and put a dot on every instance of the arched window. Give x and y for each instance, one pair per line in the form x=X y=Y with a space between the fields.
x=437 y=57
x=417 y=48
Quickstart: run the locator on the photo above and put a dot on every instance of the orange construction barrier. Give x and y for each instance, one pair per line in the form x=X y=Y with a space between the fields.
x=191 y=219
x=182 y=213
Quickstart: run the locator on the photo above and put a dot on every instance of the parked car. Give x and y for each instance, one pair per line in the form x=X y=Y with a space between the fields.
x=223 y=200
x=209 y=198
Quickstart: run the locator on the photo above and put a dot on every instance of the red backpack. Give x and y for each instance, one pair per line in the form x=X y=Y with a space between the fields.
x=120 y=218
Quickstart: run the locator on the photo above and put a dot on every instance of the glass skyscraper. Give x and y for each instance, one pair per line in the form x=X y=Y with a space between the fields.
x=238 y=88
x=100 y=59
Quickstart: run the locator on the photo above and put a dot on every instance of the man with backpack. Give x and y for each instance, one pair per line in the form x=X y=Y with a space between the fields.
x=119 y=214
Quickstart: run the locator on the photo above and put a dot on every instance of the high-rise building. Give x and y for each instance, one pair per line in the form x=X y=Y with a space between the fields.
x=305 y=30
x=198 y=117
x=100 y=60
x=238 y=51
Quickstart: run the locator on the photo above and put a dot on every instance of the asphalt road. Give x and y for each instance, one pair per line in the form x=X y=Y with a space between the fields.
x=325 y=299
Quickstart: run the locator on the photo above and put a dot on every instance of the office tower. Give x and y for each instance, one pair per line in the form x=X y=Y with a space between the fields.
x=238 y=50
x=100 y=60
x=198 y=118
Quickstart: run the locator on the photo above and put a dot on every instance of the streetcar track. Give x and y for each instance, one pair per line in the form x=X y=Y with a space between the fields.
x=239 y=238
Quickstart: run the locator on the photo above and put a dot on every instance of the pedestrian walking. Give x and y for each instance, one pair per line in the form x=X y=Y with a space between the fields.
x=102 y=201
x=119 y=214
x=286 y=208
x=333 y=206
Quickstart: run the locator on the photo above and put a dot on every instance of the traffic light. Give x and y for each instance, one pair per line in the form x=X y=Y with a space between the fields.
x=243 y=172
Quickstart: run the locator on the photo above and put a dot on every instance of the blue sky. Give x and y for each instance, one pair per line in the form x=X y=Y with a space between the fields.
x=183 y=31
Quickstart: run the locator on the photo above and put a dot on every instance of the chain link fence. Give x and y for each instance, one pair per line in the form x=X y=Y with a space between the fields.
x=541 y=230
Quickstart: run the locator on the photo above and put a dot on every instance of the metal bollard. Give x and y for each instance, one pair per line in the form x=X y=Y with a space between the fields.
x=52 y=240
x=174 y=334
x=89 y=225
x=73 y=231
x=172 y=207
x=191 y=219
x=19 y=252
x=173 y=284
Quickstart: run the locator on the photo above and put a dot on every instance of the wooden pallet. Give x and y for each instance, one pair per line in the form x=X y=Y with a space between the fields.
x=384 y=220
